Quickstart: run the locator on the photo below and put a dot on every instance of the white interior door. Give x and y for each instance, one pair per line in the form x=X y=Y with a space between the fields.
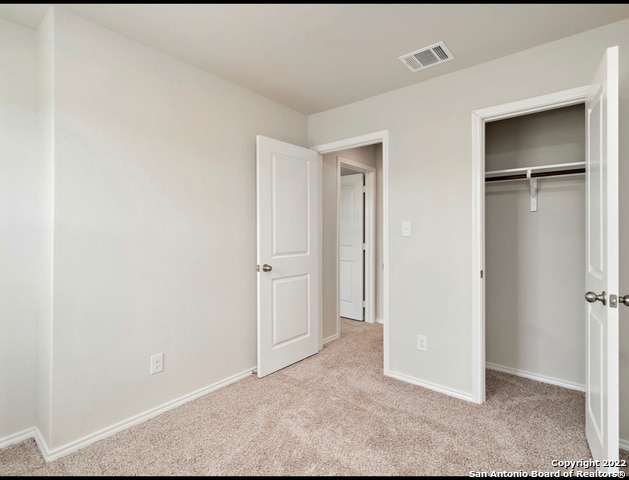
x=351 y=232
x=288 y=253
x=602 y=416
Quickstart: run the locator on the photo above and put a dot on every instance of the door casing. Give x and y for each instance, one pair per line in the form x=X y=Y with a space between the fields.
x=382 y=137
x=479 y=118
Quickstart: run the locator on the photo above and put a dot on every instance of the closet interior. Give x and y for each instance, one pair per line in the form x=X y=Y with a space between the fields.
x=535 y=246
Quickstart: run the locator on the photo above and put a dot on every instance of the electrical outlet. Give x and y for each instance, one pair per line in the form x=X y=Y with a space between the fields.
x=422 y=342
x=157 y=363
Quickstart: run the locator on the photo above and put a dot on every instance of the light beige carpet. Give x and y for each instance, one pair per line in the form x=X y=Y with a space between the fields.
x=336 y=414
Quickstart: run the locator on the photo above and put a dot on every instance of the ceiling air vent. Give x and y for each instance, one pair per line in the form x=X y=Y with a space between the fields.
x=427 y=57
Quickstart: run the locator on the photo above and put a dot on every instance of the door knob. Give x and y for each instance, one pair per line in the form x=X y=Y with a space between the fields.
x=592 y=297
x=624 y=300
x=266 y=268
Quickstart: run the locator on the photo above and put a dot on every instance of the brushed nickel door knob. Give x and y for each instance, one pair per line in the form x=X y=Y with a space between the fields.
x=592 y=297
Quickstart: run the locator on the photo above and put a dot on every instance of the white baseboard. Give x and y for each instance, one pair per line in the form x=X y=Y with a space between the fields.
x=58 y=452
x=431 y=386
x=17 y=437
x=41 y=443
x=331 y=338
x=537 y=377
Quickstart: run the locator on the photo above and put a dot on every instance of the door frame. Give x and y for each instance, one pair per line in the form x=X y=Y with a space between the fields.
x=381 y=137
x=369 y=273
x=479 y=118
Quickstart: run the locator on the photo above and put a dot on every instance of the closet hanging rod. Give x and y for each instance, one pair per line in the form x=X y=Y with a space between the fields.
x=523 y=176
x=526 y=173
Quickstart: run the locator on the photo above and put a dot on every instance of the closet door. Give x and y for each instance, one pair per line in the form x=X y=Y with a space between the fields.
x=601 y=278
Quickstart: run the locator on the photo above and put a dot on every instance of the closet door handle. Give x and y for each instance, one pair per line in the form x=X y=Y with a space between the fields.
x=624 y=300
x=592 y=297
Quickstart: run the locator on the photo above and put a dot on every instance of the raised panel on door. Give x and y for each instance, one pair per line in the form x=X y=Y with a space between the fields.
x=291 y=196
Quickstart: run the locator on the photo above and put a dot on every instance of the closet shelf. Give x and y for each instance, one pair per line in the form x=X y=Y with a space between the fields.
x=526 y=173
x=533 y=173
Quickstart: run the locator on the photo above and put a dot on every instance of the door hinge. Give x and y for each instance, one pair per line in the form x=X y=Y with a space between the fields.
x=364 y=189
x=257 y=268
x=364 y=246
x=364 y=304
x=481 y=274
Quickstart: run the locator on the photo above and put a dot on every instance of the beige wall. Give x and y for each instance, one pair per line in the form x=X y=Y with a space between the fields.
x=154 y=226
x=329 y=252
x=45 y=107
x=23 y=289
x=430 y=184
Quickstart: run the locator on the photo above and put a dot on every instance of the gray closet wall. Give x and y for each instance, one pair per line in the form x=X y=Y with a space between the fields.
x=535 y=261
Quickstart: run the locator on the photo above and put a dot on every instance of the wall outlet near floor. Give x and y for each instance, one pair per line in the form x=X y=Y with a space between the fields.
x=422 y=342
x=157 y=363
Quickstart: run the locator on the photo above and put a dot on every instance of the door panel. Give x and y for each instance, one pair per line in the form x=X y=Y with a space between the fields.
x=290 y=320
x=602 y=415
x=288 y=253
x=290 y=190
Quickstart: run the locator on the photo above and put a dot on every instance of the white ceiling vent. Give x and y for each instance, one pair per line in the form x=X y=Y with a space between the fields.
x=427 y=57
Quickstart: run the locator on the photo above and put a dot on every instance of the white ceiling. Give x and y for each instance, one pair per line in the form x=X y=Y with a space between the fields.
x=314 y=57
